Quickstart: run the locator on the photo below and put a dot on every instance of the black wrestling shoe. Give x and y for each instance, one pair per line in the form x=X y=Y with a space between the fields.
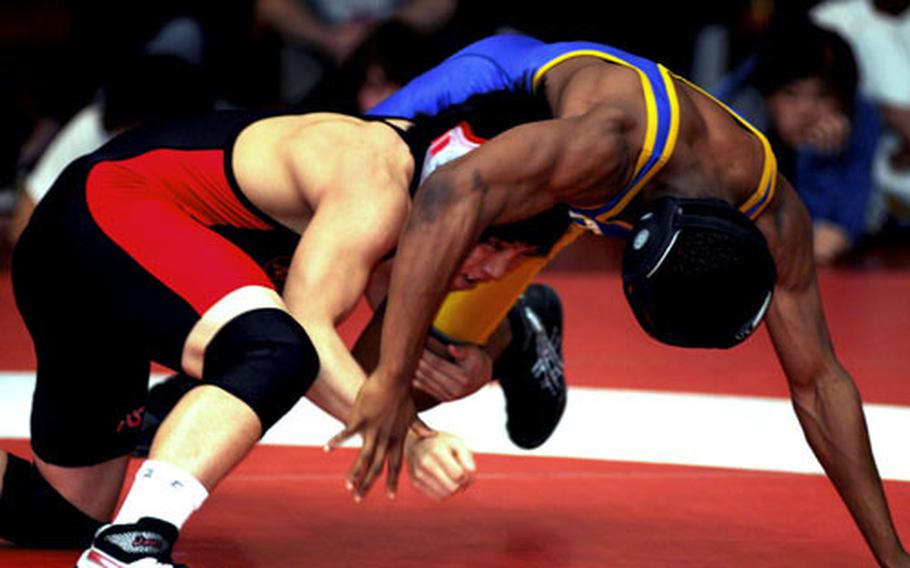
x=145 y=544
x=162 y=398
x=530 y=370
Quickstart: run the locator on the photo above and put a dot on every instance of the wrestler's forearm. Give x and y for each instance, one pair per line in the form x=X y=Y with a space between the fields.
x=443 y=224
x=339 y=378
x=366 y=352
x=415 y=295
x=832 y=418
x=366 y=348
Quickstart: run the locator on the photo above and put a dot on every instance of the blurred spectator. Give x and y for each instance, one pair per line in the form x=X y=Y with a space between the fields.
x=392 y=54
x=319 y=35
x=735 y=31
x=32 y=33
x=662 y=31
x=824 y=136
x=58 y=53
x=154 y=87
x=879 y=31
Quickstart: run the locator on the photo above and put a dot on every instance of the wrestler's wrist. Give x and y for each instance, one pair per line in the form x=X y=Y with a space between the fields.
x=418 y=430
x=411 y=438
x=393 y=378
x=393 y=383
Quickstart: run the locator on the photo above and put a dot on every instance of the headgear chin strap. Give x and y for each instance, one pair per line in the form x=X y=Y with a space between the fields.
x=697 y=273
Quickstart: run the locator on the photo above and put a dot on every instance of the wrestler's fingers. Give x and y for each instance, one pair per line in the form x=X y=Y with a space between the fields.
x=446 y=463
x=341 y=437
x=443 y=477
x=396 y=453
x=427 y=485
x=438 y=389
x=441 y=371
x=374 y=468
x=465 y=457
x=435 y=483
x=422 y=430
x=457 y=352
x=430 y=390
x=361 y=463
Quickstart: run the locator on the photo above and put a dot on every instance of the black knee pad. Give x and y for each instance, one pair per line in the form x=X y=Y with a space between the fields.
x=264 y=358
x=33 y=514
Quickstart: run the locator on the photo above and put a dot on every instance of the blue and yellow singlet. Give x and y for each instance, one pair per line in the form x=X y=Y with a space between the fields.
x=512 y=68
x=518 y=64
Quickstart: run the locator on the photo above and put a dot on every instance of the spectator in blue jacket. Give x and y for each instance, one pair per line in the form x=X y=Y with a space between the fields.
x=824 y=134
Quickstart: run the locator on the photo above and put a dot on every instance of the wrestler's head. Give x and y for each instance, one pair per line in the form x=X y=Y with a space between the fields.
x=489 y=260
x=697 y=273
x=502 y=248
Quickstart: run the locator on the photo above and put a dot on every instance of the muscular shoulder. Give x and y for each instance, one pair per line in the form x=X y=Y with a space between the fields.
x=714 y=153
x=287 y=165
x=607 y=139
x=354 y=146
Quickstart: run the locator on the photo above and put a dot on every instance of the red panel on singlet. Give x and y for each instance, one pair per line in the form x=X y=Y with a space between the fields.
x=157 y=207
x=194 y=180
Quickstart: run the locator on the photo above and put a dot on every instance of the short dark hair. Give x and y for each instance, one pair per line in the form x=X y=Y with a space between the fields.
x=541 y=231
x=805 y=50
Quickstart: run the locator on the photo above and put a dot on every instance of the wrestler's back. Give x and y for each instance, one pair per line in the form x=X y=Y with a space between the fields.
x=714 y=151
x=714 y=154
x=285 y=164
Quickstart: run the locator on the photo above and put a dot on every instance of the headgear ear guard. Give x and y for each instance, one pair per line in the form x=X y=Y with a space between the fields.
x=697 y=273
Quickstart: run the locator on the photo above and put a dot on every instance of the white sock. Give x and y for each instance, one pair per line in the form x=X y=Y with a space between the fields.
x=163 y=491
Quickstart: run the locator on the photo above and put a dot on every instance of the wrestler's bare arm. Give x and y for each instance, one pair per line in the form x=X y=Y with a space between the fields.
x=517 y=174
x=359 y=202
x=514 y=176
x=824 y=395
x=362 y=204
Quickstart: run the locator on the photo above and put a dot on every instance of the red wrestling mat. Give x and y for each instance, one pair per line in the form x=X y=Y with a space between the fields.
x=604 y=347
x=287 y=507
x=866 y=312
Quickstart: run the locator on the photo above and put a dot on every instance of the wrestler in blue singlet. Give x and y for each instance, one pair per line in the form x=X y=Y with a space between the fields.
x=516 y=64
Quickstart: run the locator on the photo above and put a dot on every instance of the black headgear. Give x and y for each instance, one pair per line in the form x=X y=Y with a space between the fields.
x=697 y=273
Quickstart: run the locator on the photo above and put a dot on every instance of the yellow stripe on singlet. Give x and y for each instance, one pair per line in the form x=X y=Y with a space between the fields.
x=767 y=185
x=665 y=155
x=650 y=105
x=472 y=315
x=650 y=140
